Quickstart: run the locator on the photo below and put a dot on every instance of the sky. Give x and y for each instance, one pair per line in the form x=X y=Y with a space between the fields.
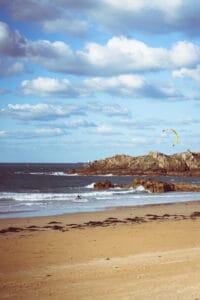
x=84 y=80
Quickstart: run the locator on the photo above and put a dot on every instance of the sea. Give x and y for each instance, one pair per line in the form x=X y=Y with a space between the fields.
x=41 y=189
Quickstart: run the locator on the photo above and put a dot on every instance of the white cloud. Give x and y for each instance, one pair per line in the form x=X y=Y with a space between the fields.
x=116 y=16
x=118 y=56
x=32 y=10
x=150 y=16
x=69 y=25
x=40 y=111
x=45 y=86
x=33 y=133
x=185 y=54
x=11 y=42
x=55 y=56
x=129 y=86
x=119 y=86
x=11 y=68
x=139 y=5
x=191 y=73
x=48 y=131
x=124 y=83
x=121 y=54
x=52 y=16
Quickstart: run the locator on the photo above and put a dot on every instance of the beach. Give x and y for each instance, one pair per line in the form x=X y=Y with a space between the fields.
x=137 y=252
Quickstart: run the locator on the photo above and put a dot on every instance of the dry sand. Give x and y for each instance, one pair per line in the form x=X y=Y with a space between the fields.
x=149 y=252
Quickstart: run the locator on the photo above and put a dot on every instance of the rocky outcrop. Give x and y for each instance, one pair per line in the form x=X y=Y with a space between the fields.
x=103 y=185
x=154 y=163
x=153 y=186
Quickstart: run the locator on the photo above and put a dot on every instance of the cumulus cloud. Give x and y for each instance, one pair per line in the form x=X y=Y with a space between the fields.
x=32 y=10
x=9 y=68
x=118 y=17
x=185 y=54
x=54 y=56
x=118 y=86
x=119 y=55
x=129 y=86
x=40 y=111
x=11 y=42
x=56 y=16
x=150 y=16
x=191 y=73
x=69 y=25
x=45 y=86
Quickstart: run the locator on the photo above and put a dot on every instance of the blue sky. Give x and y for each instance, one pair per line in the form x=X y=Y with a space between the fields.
x=85 y=80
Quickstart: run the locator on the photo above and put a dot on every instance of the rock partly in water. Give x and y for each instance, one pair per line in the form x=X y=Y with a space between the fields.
x=153 y=186
x=103 y=185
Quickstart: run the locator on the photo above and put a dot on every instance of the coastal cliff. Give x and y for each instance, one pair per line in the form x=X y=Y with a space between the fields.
x=154 y=163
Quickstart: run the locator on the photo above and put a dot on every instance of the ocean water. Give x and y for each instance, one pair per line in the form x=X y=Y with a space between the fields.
x=44 y=189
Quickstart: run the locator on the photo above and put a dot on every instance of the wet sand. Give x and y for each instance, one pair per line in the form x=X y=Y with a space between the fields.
x=144 y=252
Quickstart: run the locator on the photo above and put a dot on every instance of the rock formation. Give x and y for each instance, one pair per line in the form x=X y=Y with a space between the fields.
x=155 y=163
x=153 y=186
x=103 y=185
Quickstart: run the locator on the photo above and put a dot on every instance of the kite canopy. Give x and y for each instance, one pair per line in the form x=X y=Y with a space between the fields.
x=176 y=135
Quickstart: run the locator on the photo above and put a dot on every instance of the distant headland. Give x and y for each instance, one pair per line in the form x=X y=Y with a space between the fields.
x=154 y=163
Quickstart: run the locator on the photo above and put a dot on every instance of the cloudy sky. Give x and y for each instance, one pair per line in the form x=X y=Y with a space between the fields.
x=83 y=80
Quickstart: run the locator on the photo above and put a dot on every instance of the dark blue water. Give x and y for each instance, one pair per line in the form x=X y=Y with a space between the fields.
x=44 y=189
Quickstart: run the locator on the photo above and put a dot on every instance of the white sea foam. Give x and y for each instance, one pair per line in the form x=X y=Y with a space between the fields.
x=39 y=196
x=108 y=175
x=80 y=200
x=89 y=200
x=90 y=186
x=140 y=188
x=33 y=197
x=48 y=173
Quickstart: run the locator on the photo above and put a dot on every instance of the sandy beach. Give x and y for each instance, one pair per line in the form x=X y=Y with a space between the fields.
x=144 y=252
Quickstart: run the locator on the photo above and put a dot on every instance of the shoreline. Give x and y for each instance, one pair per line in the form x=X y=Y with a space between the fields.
x=137 y=252
x=39 y=214
x=99 y=214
